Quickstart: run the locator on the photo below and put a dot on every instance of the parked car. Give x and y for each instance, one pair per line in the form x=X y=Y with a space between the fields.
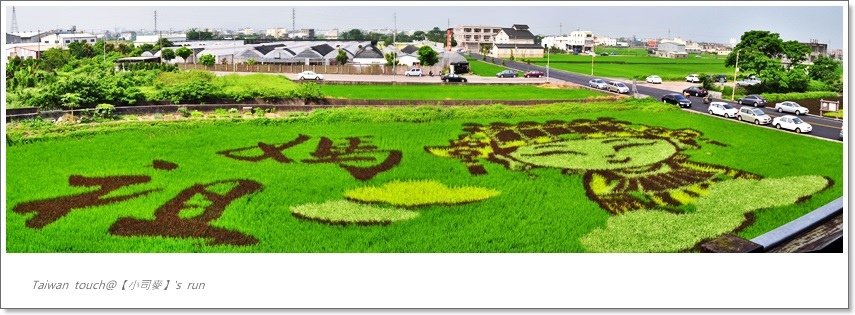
x=696 y=91
x=534 y=74
x=755 y=115
x=791 y=107
x=753 y=100
x=414 y=72
x=793 y=123
x=507 y=74
x=598 y=83
x=453 y=78
x=720 y=78
x=752 y=80
x=693 y=78
x=309 y=75
x=722 y=109
x=676 y=99
x=654 y=79
x=618 y=87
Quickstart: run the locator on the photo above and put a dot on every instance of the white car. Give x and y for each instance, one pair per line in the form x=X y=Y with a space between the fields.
x=414 y=72
x=654 y=79
x=618 y=87
x=791 y=122
x=755 y=115
x=693 y=78
x=791 y=107
x=598 y=83
x=723 y=109
x=309 y=75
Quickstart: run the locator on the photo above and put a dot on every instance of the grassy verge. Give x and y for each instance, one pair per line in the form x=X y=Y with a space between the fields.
x=455 y=92
x=538 y=210
x=780 y=97
x=484 y=69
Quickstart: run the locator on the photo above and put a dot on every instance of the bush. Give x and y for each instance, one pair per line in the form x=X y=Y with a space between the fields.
x=196 y=114
x=183 y=111
x=308 y=91
x=779 y=97
x=105 y=111
x=190 y=86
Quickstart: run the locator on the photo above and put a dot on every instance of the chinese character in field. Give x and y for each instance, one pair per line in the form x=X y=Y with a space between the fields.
x=49 y=210
x=268 y=151
x=361 y=159
x=190 y=213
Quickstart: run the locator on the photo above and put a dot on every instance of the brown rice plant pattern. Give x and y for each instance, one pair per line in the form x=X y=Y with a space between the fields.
x=625 y=168
x=392 y=202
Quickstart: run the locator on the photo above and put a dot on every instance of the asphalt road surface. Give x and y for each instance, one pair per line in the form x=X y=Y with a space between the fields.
x=822 y=127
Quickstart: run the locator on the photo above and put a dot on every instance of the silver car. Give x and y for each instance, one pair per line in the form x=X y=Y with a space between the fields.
x=755 y=115
x=791 y=107
x=598 y=83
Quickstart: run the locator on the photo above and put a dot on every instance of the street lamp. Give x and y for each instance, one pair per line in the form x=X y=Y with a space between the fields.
x=735 y=70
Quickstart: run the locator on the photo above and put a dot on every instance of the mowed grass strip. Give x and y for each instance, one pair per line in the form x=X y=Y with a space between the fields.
x=456 y=92
x=542 y=210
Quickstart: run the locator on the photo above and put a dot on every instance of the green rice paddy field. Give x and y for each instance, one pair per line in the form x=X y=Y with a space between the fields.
x=331 y=181
x=638 y=67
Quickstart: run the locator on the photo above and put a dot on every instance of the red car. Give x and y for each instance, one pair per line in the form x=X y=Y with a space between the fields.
x=533 y=74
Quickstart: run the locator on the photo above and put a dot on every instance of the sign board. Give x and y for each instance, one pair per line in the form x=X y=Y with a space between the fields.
x=828 y=106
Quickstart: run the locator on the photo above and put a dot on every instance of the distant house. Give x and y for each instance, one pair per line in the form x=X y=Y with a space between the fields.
x=671 y=49
x=410 y=49
x=369 y=55
x=456 y=62
x=516 y=41
x=408 y=60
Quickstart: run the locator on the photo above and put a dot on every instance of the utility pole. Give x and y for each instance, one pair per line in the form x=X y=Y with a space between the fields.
x=592 y=64
x=155 y=22
x=560 y=28
x=735 y=69
x=395 y=32
x=547 y=64
x=293 y=19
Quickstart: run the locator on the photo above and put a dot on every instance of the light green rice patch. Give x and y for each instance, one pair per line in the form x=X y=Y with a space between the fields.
x=346 y=212
x=419 y=193
x=194 y=207
x=721 y=211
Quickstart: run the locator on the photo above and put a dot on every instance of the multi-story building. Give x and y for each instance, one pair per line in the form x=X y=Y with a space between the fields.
x=470 y=37
x=581 y=41
x=516 y=41
x=816 y=49
x=559 y=42
x=277 y=33
x=694 y=48
x=303 y=33
x=247 y=31
x=331 y=34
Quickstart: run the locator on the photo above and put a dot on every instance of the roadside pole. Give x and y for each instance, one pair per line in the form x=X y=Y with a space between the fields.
x=735 y=69
x=547 y=65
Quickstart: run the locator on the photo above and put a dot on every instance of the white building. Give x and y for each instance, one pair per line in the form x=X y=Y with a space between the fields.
x=694 y=48
x=331 y=34
x=671 y=49
x=64 y=39
x=605 y=41
x=516 y=41
x=622 y=44
x=276 y=32
x=247 y=31
x=470 y=37
x=581 y=41
x=152 y=39
x=560 y=42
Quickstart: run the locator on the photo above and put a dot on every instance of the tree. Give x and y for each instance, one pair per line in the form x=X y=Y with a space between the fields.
x=391 y=58
x=428 y=56
x=55 y=58
x=341 y=58
x=419 y=35
x=163 y=42
x=194 y=34
x=71 y=101
x=207 y=60
x=125 y=49
x=824 y=69
x=436 y=35
x=761 y=53
x=81 y=50
x=354 y=34
x=183 y=52
x=250 y=61
x=167 y=54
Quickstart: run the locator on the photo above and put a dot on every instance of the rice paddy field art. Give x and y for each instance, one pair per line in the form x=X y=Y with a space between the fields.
x=561 y=179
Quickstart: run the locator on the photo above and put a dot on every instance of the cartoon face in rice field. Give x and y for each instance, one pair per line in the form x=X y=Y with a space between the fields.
x=626 y=167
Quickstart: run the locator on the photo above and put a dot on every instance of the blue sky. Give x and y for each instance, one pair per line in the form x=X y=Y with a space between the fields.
x=700 y=23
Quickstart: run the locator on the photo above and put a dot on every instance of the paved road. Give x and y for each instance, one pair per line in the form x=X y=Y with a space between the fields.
x=822 y=127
